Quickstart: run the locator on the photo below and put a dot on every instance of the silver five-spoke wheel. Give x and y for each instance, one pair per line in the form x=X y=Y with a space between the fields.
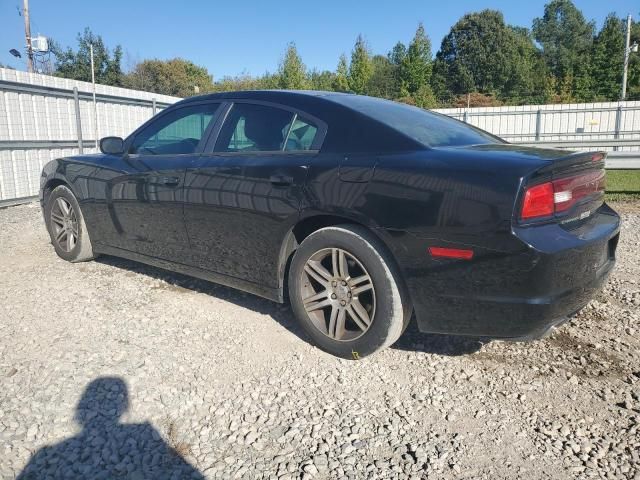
x=338 y=294
x=65 y=224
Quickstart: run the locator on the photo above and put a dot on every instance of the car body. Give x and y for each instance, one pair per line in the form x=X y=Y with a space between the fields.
x=443 y=199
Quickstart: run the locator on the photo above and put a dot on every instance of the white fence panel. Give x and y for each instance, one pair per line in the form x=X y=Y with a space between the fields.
x=38 y=123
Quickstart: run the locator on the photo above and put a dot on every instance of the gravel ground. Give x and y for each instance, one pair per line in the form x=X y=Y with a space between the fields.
x=112 y=369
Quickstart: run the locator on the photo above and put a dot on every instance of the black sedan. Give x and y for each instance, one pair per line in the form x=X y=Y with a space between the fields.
x=359 y=211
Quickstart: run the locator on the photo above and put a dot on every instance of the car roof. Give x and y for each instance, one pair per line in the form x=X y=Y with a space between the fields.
x=349 y=129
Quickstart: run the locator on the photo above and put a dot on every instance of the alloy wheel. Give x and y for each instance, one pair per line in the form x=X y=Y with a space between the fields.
x=338 y=294
x=65 y=224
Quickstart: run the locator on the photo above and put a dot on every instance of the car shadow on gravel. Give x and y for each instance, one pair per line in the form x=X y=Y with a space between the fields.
x=180 y=283
x=411 y=340
x=107 y=448
x=450 y=345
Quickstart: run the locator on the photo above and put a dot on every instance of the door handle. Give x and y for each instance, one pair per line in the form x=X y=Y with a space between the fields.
x=280 y=180
x=170 y=181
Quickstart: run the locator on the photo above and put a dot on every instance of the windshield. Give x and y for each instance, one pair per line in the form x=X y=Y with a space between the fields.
x=428 y=128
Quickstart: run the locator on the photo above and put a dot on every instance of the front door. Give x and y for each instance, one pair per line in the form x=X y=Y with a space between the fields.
x=243 y=196
x=145 y=203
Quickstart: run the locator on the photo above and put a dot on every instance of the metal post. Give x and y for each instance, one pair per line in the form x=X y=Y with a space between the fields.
x=618 y=125
x=627 y=51
x=465 y=117
x=538 y=124
x=27 y=34
x=76 y=102
x=95 y=106
x=153 y=105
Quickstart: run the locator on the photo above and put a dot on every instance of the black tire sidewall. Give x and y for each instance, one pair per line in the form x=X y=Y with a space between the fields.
x=64 y=192
x=377 y=336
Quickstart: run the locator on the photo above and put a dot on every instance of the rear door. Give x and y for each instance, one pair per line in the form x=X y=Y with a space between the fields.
x=145 y=202
x=245 y=192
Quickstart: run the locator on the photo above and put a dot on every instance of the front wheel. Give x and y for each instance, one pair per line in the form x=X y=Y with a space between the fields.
x=346 y=293
x=66 y=226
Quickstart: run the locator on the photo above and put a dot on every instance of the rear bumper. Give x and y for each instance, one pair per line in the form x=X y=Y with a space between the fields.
x=527 y=283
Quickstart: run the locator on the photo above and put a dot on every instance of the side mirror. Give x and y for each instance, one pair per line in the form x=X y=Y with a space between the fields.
x=112 y=145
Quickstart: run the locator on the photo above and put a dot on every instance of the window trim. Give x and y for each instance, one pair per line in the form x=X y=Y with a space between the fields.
x=209 y=147
x=167 y=111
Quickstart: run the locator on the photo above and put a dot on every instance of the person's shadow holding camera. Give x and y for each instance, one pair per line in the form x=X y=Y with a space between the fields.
x=107 y=449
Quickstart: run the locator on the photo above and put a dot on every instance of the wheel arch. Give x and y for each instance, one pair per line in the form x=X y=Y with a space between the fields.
x=305 y=227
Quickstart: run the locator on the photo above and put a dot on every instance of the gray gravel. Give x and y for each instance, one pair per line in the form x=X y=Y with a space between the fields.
x=111 y=369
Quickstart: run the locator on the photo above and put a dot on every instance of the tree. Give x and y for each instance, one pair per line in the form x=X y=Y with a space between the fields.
x=321 y=80
x=607 y=59
x=77 y=64
x=292 y=72
x=482 y=54
x=415 y=65
x=341 y=80
x=633 y=80
x=360 y=69
x=566 y=39
x=177 y=77
x=382 y=82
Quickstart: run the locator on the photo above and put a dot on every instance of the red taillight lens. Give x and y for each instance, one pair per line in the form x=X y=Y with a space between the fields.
x=559 y=195
x=538 y=201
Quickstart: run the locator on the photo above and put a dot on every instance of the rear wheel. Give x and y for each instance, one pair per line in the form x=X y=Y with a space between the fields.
x=345 y=292
x=66 y=226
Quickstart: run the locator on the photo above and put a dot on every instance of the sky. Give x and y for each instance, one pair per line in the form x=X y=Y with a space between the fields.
x=250 y=36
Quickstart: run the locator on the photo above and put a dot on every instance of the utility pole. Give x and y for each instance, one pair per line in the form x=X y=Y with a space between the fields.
x=627 y=51
x=27 y=34
x=95 y=105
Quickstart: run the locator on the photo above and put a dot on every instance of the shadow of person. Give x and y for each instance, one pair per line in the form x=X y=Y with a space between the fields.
x=106 y=448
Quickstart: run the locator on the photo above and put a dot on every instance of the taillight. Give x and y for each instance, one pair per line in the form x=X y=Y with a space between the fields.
x=559 y=195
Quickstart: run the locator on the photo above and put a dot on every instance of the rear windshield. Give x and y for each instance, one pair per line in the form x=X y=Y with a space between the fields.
x=428 y=128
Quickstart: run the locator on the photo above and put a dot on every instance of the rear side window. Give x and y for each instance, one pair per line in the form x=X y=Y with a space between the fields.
x=301 y=135
x=260 y=128
x=428 y=128
x=251 y=128
x=177 y=132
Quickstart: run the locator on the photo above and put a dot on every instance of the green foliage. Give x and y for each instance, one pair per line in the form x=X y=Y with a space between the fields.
x=177 y=77
x=292 y=72
x=415 y=66
x=633 y=87
x=483 y=54
x=482 y=61
x=607 y=59
x=76 y=64
x=361 y=68
x=382 y=82
x=321 y=80
x=341 y=79
x=567 y=39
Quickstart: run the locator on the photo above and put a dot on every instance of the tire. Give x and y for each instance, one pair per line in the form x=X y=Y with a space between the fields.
x=66 y=226
x=344 y=268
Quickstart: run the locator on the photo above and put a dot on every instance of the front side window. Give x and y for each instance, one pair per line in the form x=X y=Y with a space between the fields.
x=260 y=128
x=178 y=132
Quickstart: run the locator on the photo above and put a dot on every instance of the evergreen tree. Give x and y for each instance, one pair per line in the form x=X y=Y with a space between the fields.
x=360 y=69
x=341 y=79
x=415 y=66
x=382 y=82
x=292 y=71
x=566 y=39
x=608 y=58
x=321 y=80
x=77 y=64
